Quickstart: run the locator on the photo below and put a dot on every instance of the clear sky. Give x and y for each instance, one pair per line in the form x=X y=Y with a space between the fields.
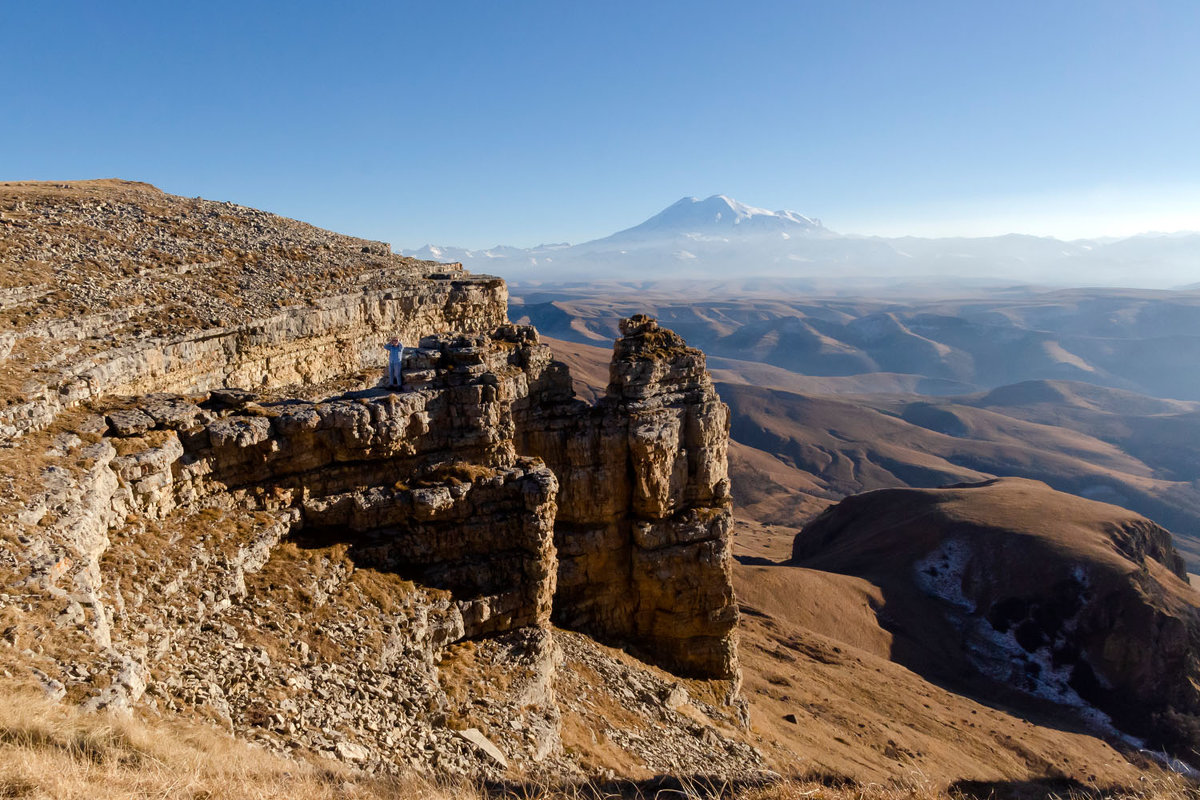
x=502 y=121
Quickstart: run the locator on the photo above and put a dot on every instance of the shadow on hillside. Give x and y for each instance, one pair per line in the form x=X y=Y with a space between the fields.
x=377 y=550
x=758 y=561
x=928 y=643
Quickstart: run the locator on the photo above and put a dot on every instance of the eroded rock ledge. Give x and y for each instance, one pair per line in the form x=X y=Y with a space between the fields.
x=207 y=506
x=644 y=514
x=437 y=483
x=484 y=482
x=114 y=287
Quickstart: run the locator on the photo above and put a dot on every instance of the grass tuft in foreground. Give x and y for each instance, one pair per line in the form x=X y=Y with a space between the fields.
x=49 y=750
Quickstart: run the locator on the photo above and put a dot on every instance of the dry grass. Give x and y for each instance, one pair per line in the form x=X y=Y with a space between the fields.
x=917 y=787
x=50 y=750
x=290 y=580
x=56 y=751
x=27 y=356
x=458 y=472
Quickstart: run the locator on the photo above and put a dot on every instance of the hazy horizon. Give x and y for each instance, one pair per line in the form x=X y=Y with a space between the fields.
x=720 y=238
x=903 y=227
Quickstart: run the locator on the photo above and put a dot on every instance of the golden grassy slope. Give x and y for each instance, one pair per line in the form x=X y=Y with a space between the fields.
x=49 y=750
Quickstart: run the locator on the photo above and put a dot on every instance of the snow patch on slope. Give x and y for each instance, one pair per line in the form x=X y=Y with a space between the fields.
x=1040 y=668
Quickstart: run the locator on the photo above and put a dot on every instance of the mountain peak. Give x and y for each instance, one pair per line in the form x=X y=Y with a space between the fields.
x=718 y=214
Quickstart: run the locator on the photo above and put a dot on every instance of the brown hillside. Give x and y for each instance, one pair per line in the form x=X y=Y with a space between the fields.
x=816 y=647
x=1007 y=583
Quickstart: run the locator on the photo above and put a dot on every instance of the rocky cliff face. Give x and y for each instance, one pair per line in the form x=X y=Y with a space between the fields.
x=116 y=288
x=645 y=516
x=190 y=539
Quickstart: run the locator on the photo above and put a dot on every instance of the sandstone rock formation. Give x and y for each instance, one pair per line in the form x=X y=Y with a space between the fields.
x=429 y=484
x=644 y=517
x=117 y=288
x=1071 y=600
x=211 y=475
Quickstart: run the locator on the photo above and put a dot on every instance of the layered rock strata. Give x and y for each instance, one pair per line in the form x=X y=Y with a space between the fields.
x=296 y=567
x=644 y=515
x=643 y=522
x=454 y=483
x=113 y=287
x=425 y=483
x=334 y=336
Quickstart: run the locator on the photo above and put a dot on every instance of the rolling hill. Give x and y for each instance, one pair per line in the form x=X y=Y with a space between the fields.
x=1138 y=341
x=797 y=447
x=1005 y=585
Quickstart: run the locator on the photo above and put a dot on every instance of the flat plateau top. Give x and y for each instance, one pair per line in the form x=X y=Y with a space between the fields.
x=88 y=268
x=164 y=262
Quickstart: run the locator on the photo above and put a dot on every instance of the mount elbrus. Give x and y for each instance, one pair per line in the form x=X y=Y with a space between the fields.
x=211 y=509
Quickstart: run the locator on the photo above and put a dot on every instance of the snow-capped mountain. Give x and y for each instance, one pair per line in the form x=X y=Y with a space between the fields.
x=718 y=237
x=717 y=216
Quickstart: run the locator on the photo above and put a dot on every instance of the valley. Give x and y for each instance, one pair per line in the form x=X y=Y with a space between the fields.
x=833 y=397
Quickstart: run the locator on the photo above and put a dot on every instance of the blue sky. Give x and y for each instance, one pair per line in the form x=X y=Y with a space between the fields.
x=477 y=123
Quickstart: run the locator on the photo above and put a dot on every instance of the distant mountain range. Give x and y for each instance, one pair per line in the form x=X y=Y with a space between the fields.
x=718 y=237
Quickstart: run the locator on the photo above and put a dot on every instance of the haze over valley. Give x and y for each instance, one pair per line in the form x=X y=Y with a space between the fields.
x=719 y=237
x=1092 y=392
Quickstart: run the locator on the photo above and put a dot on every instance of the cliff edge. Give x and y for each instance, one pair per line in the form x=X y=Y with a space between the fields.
x=210 y=506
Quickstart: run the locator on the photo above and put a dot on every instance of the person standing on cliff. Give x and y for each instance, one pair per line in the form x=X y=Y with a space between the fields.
x=395 y=373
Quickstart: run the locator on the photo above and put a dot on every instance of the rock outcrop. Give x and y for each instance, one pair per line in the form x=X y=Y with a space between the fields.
x=429 y=483
x=1071 y=600
x=218 y=499
x=425 y=483
x=116 y=288
x=644 y=516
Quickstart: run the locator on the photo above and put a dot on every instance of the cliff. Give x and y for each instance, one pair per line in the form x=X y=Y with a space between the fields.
x=115 y=288
x=645 y=519
x=216 y=510
x=1008 y=585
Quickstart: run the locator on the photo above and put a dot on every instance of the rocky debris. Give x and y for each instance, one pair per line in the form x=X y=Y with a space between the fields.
x=675 y=698
x=485 y=746
x=1070 y=600
x=651 y=716
x=204 y=532
x=129 y=422
x=505 y=687
x=348 y=751
x=53 y=689
x=305 y=656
